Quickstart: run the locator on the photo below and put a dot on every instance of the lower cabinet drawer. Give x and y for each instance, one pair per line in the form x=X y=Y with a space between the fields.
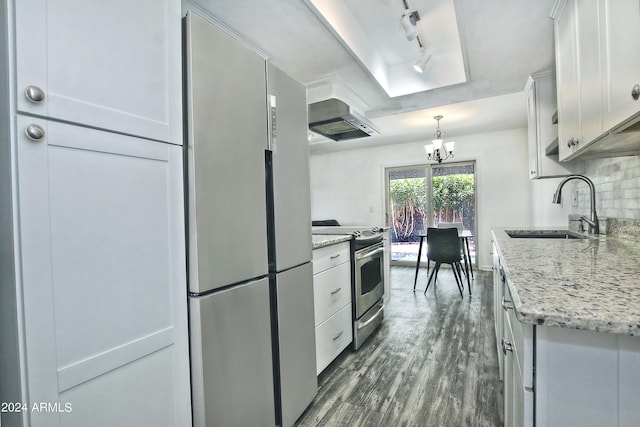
x=331 y=291
x=330 y=256
x=333 y=336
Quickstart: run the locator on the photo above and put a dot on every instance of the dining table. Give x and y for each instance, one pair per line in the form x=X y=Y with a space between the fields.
x=464 y=236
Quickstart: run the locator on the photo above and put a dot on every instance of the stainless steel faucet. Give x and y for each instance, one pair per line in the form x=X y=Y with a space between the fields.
x=594 y=224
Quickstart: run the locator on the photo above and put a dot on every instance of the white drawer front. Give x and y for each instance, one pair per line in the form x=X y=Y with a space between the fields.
x=523 y=345
x=330 y=256
x=331 y=291
x=333 y=336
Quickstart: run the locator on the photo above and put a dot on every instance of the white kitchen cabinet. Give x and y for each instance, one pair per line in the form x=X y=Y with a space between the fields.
x=567 y=79
x=577 y=34
x=92 y=219
x=621 y=62
x=332 y=302
x=542 y=133
x=332 y=337
x=331 y=291
x=497 y=306
x=102 y=277
x=113 y=65
x=588 y=15
x=598 y=77
x=517 y=349
x=561 y=376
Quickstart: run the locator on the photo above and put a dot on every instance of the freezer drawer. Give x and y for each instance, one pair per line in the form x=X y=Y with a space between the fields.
x=296 y=331
x=231 y=358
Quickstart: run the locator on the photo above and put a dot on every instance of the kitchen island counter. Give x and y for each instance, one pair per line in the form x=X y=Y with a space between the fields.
x=589 y=284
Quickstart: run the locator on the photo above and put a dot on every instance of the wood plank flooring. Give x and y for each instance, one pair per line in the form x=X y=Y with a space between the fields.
x=433 y=362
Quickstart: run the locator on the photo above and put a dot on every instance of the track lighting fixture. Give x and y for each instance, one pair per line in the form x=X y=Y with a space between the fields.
x=422 y=62
x=408 y=23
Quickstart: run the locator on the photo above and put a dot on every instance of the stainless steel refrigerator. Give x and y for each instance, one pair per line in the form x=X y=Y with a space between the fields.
x=249 y=235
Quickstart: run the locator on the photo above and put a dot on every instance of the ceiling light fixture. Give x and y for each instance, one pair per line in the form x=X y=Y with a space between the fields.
x=435 y=150
x=422 y=62
x=408 y=23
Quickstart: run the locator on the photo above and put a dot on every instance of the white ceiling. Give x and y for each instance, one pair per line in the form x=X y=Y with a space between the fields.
x=339 y=51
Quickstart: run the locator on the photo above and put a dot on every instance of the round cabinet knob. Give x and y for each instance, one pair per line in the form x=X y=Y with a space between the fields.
x=34 y=132
x=635 y=92
x=34 y=94
x=570 y=143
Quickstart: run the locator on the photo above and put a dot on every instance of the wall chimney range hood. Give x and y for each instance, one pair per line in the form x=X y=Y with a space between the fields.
x=334 y=119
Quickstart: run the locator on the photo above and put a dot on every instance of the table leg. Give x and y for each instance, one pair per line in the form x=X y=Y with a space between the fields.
x=466 y=244
x=415 y=280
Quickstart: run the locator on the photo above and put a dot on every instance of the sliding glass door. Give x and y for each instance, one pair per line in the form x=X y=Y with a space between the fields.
x=407 y=210
x=423 y=196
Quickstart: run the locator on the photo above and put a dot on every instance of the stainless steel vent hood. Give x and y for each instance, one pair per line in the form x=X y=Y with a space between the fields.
x=334 y=119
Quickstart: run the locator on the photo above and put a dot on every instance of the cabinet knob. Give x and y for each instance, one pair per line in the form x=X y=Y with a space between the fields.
x=34 y=94
x=506 y=346
x=34 y=132
x=635 y=92
x=570 y=143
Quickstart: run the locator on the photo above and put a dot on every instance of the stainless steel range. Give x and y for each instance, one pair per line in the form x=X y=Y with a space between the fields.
x=367 y=278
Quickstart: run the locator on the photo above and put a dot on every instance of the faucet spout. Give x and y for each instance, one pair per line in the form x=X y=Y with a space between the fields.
x=594 y=224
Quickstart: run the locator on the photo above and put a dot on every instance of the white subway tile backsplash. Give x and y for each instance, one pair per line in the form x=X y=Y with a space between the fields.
x=617 y=182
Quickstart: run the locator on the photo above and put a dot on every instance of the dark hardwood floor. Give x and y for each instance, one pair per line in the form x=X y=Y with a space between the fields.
x=433 y=362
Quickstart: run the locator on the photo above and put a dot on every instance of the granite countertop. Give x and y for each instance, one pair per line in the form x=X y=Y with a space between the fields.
x=322 y=240
x=591 y=284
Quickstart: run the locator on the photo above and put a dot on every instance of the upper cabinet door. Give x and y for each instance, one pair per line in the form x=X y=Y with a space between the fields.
x=567 y=80
x=621 y=66
x=112 y=65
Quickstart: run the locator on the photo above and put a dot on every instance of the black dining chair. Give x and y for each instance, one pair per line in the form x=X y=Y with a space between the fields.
x=444 y=247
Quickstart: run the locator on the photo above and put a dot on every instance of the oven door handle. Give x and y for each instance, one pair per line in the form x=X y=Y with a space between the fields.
x=371 y=253
x=373 y=318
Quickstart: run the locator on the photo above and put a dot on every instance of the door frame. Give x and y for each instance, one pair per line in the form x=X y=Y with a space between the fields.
x=429 y=176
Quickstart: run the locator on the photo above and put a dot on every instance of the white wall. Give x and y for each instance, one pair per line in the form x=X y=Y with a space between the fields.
x=349 y=185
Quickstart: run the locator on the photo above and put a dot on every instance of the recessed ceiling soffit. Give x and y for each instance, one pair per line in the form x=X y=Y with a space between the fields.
x=373 y=34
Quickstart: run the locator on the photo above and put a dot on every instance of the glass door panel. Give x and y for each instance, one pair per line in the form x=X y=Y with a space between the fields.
x=423 y=196
x=407 y=210
x=454 y=197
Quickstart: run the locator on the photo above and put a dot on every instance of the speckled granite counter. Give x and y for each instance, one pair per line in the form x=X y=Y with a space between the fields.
x=591 y=284
x=322 y=240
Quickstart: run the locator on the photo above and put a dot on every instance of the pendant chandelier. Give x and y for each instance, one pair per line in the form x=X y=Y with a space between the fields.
x=439 y=150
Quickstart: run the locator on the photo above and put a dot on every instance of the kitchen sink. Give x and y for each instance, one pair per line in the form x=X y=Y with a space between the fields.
x=544 y=234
